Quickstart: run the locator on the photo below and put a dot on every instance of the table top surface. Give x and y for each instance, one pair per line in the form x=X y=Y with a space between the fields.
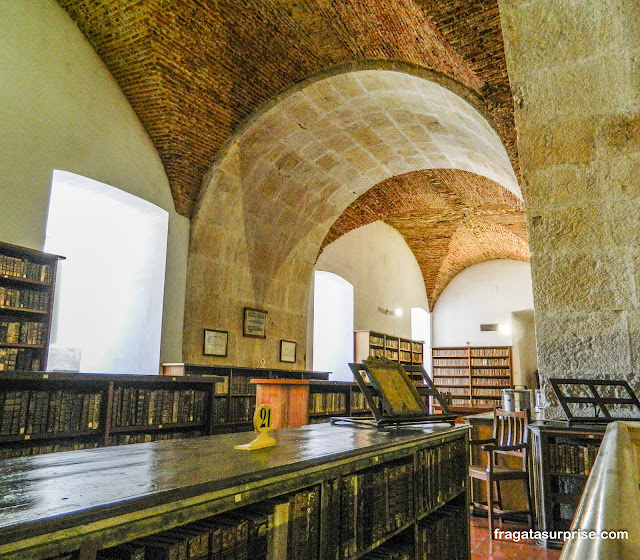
x=97 y=483
x=280 y=381
x=540 y=424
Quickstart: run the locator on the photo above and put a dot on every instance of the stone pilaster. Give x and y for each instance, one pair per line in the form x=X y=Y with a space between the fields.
x=573 y=68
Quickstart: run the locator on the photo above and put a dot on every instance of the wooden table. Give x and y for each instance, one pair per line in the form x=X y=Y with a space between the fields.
x=86 y=500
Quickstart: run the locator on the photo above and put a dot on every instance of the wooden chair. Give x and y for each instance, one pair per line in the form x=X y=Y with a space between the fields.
x=510 y=437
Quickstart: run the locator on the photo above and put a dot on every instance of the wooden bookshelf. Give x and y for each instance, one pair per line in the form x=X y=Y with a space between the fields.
x=562 y=457
x=27 y=286
x=322 y=492
x=48 y=412
x=235 y=395
x=403 y=350
x=473 y=376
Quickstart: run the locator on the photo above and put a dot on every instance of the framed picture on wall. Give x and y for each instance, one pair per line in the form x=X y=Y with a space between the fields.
x=215 y=343
x=255 y=323
x=288 y=351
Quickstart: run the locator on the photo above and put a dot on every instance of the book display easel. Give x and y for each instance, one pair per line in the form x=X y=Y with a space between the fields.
x=391 y=395
x=596 y=401
x=322 y=493
x=27 y=285
x=563 y=455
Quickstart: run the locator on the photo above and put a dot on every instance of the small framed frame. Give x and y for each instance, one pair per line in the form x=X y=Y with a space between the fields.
x=255 y=323
x=215 y=343
x=288 y=351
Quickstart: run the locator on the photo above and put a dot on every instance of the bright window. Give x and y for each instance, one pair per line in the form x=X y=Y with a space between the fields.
x=333 y=325
x=109 y=293
x=421 y=330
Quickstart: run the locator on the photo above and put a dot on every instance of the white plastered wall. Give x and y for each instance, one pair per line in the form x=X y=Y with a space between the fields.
x=485 y=293
x=384 y=273
x=61 y=109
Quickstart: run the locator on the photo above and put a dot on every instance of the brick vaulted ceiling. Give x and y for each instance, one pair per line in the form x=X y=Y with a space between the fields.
x=196 y=70
x=450 y=219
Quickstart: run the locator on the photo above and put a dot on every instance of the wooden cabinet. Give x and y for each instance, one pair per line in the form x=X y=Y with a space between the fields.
x=299 y=402
x=27 y=284
x=562 y=458
x=473 y=376
x=287 y=399
x=323 y=492
x=370 y=343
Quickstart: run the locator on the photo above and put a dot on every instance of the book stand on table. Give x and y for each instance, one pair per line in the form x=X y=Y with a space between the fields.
x=400 y=402
x=598 y=393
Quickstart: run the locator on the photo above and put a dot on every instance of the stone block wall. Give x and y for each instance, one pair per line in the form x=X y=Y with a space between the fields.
x=574 y=71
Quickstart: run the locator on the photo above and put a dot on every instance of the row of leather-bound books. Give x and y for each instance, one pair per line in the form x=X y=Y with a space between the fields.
x=365 y=508
x=142 y=406
x=285 y=528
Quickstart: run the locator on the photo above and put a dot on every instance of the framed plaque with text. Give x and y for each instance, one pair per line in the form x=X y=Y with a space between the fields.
x=255 y=323
x=215 y=342
x=288 y=351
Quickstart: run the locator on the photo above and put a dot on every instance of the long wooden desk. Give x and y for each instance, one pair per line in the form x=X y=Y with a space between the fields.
x=92 y=499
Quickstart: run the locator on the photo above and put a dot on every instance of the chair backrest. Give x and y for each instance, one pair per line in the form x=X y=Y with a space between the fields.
x=510 y=428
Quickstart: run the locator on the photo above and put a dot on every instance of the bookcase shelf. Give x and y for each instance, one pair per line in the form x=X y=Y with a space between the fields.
x=45 y=412
x=153 y=427
x=27 y=286
x=371 y=343
x=30 y=438
x=562 y=457
x=359 y=494
x=28 y=254
x=15 y=345
x=23 y=310
x=485 y=369
x=235 y=395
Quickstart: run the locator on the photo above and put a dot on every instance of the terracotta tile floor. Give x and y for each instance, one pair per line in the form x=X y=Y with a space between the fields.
x=483 y=548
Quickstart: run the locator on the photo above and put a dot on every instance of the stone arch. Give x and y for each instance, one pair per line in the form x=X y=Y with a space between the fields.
x=290 y=172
